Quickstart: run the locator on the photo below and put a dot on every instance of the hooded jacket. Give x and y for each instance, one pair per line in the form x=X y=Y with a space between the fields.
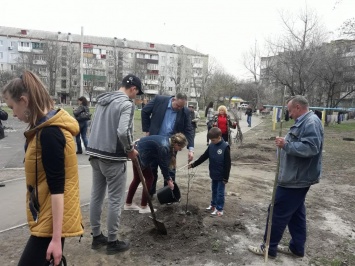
x=72 y=219
x=112 y=127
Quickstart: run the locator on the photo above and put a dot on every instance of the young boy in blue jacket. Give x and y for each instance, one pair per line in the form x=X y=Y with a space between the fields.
x=218 y=153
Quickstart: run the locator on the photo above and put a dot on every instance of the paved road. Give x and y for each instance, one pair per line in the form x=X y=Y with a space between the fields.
x=12 y=196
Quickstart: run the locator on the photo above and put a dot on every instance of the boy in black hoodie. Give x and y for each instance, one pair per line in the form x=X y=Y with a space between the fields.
x=218 y=153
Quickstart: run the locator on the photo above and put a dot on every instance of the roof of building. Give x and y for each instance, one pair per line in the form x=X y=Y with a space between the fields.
x=95 y=40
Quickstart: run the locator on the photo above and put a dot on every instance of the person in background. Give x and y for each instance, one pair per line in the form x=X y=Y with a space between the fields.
x=51 y=167
x=110 y=145
x=209 y=113
x=223 y=122
x=249 y=113
x=218 y=153
x=161 y=150
x=195 y=117
x=300 y=167
x=82 y=115
x=165 y=116
x=3 y=116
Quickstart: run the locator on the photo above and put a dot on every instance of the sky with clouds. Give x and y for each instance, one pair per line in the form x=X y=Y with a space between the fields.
x=224 y=29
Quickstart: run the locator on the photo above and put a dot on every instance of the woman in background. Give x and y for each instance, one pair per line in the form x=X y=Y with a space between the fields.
x=209 y=113
x=82 y=115
x=51 y=168
x=223 y=122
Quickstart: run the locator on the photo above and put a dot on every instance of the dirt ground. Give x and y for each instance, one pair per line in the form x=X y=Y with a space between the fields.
x=197 y=238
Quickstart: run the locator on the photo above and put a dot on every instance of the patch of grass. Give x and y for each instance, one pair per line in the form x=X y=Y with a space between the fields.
x=342 y=261
x=215 y=245
x=344 y=126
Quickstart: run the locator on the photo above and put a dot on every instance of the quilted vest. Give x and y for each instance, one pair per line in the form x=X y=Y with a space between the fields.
x=216 y=158
x=72 y=220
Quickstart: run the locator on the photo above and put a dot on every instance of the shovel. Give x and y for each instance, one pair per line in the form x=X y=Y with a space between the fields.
x=158 y=224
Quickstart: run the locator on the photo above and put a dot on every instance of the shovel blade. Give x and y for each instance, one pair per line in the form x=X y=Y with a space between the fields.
x=159 y=226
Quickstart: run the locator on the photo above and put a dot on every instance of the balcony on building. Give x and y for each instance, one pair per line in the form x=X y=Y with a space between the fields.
x=24 y=47
x=197 y=65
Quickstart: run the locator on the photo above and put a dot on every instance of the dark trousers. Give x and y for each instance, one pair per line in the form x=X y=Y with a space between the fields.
x=249 y=120
x=225 y=137
x=35 y=251
x=289 y=210
x=154 y=167
x=83 y=133
x=148 y=177
x=218 y=188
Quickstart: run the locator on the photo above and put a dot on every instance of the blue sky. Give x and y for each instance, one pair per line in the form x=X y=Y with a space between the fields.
x=224 y=29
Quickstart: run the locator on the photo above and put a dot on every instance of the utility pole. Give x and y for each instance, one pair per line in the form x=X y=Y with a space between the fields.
x=81 y=63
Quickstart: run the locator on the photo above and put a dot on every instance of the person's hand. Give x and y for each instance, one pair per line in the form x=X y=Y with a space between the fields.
x=132 y=154
x=189 y=166
x=280 y=142
x=171 y=184
x=190 y=156
x=146 y=134
x=54 y=251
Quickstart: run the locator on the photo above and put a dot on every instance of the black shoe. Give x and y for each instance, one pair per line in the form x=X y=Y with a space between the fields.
x=99 y=241
x=79 y=152
x=116 y=246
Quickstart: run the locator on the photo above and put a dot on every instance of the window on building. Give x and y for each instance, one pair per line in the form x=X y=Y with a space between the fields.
x=64 y=84
x=87 y=50
x=13 y=67
x=154 y=56
x=171 y=59
x=64 y=72
x=75 y=83
x=146 y=56
x=74 y=71
x=64 y=61
x=1 y=66
x=64 y=50
x=24 y=44
x=1 y=55
x=170 y=88
x=12 y=44
x=130 y=55
x=37 y=45
x=1 y=43
x=186 y=89
x=163 y=58
x=43 y=70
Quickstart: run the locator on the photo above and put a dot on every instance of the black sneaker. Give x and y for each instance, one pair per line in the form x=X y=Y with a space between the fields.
x=99 y=241
x=116 y=246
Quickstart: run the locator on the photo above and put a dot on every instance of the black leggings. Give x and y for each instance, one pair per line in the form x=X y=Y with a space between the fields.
x=35 y=251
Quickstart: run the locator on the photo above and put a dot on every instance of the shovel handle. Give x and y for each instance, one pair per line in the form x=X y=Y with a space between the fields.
x=145 y=189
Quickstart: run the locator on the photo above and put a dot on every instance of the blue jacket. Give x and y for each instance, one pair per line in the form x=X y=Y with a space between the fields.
x=301 y=156
x=219 y=159
x=155 y=148
x=153 y=115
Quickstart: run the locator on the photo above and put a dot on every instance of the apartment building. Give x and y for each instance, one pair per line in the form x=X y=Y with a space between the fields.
x=55 y=57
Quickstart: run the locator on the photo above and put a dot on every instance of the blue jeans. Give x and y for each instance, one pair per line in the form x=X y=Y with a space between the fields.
x=83 y=132
x=249 y=120
x=289 y=210
x=218 y=188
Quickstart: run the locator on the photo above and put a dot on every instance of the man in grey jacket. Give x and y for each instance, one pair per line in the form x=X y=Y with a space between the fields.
x=110 y=144
x=300 y=167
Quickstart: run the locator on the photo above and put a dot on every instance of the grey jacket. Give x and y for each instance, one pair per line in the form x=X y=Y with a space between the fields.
x=301 y=157
x=112 y=127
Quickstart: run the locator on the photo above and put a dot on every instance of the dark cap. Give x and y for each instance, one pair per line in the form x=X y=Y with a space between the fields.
x=134 y=81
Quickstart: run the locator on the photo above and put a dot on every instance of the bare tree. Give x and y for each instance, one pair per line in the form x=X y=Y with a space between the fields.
x=73 y=53
x=52 y=56
x=293 y=56
x=5 y=77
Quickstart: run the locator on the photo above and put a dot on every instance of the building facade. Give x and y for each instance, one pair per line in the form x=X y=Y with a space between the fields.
x=55 y=57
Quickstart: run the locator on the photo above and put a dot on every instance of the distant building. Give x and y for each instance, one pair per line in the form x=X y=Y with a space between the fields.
x=55 y=57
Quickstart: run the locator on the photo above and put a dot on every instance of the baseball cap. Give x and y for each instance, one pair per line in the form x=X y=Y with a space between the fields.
x=133 y=80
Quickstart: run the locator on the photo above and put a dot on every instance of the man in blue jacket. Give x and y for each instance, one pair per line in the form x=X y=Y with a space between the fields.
x=300 y=167
x=165 y=116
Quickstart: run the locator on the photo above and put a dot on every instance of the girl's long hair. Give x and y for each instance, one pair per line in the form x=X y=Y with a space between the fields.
x=39 y=101
x=179 y=139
